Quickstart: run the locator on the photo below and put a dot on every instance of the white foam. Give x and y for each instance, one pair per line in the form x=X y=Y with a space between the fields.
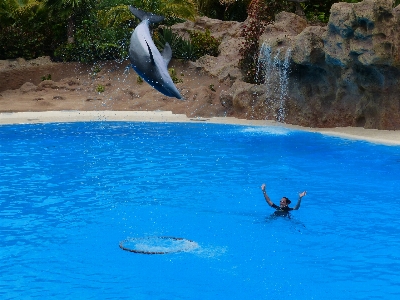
x=269 y=130
x=210 y=251
x=159 y=245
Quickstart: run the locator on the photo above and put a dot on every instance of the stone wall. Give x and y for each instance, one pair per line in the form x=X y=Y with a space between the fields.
x=348 y=74
x=344 y=74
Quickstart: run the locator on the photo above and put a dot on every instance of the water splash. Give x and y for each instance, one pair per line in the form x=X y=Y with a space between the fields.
x=274 y=74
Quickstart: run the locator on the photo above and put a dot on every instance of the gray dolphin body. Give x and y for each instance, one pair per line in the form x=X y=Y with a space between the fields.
x=147 y=61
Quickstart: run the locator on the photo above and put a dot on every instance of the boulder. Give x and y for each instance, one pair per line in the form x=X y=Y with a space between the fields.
x=364 y=31
x=308 y=46
x=344 y=74
x=225 y=66
x=28 y=87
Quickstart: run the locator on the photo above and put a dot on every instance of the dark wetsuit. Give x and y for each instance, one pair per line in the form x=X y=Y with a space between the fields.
x=285 y=208
x=281 y=211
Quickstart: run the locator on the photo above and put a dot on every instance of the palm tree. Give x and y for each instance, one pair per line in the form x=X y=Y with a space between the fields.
x=69 y=9
x=183 y=9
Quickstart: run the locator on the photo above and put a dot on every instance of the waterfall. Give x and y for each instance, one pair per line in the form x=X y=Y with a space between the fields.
x=274 y=74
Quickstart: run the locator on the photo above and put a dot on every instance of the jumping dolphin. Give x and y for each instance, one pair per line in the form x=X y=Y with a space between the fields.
x=147 y=61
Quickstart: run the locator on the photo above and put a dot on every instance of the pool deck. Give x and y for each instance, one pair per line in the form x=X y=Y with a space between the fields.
x=386 y=137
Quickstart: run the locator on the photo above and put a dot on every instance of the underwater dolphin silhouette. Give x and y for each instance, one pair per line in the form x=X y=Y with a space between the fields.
x=146 y=60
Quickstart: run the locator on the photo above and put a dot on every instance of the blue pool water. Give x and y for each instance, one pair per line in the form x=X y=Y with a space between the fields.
x=70 y=192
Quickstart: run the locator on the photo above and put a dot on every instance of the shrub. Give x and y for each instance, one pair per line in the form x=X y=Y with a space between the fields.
x=27 y=31
x=100 y=88
x=200 y=43
x=173 y=75
x=181 y=48
x=166 y=35
x=205 y=43
x=94 y=43
x=46 y=77
x=226 y=10
x=174 y=11
x=187 y=51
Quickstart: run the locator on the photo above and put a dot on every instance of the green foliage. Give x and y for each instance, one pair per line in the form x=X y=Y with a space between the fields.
x=181 y=48
x=200 y=43
x=101 y=28
x=186 y=51
x=46 y=77
x=205 y=43
x=319 y=10
x=101 y=35
x=95 y=43
x=226 y=10
x=104 y=33
x=174 y=11
x=26 y=30
x=66 y=8
x=165 y=35
x=100 y=88
x=173 y=75
x=114 y=16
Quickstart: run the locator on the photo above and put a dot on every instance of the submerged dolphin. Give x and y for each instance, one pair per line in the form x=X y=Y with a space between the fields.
x=147 y=61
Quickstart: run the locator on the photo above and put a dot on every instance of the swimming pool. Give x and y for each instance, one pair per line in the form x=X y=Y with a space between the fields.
x=70 y=192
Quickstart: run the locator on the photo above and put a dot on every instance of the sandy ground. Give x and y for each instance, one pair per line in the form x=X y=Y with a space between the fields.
x=103 y=87
x=72 y=95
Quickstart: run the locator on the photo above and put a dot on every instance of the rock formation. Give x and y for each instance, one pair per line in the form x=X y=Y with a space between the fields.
x=344 y=74
x=348 y=74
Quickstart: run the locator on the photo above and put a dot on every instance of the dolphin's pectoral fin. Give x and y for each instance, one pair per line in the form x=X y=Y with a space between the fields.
x=150 y=53
x=166 y=54
x=145 y=15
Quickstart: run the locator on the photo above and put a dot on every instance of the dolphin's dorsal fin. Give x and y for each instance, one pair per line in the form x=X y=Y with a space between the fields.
x=142 y=15
x=151 y=53
x=166 y=54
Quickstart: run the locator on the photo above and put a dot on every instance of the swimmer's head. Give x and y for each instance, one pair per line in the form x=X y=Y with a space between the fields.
x=284 y=202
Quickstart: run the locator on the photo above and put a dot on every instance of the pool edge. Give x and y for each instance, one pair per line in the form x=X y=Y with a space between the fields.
x=386 y=137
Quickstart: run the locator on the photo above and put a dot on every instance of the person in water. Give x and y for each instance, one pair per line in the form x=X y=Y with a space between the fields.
x=283 y=205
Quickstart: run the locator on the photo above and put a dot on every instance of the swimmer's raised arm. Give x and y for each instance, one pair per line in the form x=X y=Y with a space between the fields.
x=270 y=203
x=301 y=195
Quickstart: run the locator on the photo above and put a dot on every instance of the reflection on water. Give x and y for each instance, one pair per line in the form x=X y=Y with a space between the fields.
x=69 y=193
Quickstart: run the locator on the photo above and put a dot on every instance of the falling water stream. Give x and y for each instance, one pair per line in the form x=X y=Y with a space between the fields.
x=274 y=74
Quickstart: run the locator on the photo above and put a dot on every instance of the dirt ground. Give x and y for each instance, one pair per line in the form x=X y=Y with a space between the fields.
x=103 y=86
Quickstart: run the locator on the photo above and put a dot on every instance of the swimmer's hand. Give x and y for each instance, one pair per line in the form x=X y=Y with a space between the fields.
x=302 y=194
x=263 y=187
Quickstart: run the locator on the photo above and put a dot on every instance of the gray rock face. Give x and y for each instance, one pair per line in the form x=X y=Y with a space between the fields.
x=225 y=66
x=344 y=74
x=359 y=80
x=364 y=32
x=347 y=73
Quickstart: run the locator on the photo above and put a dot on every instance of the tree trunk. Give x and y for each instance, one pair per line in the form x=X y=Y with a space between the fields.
x=71 y=29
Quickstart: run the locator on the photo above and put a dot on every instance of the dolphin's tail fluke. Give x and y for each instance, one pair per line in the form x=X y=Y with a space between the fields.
x=142 y=15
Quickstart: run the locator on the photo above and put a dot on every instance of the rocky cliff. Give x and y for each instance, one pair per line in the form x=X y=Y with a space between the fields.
x=344 y=74
x=348 y=74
